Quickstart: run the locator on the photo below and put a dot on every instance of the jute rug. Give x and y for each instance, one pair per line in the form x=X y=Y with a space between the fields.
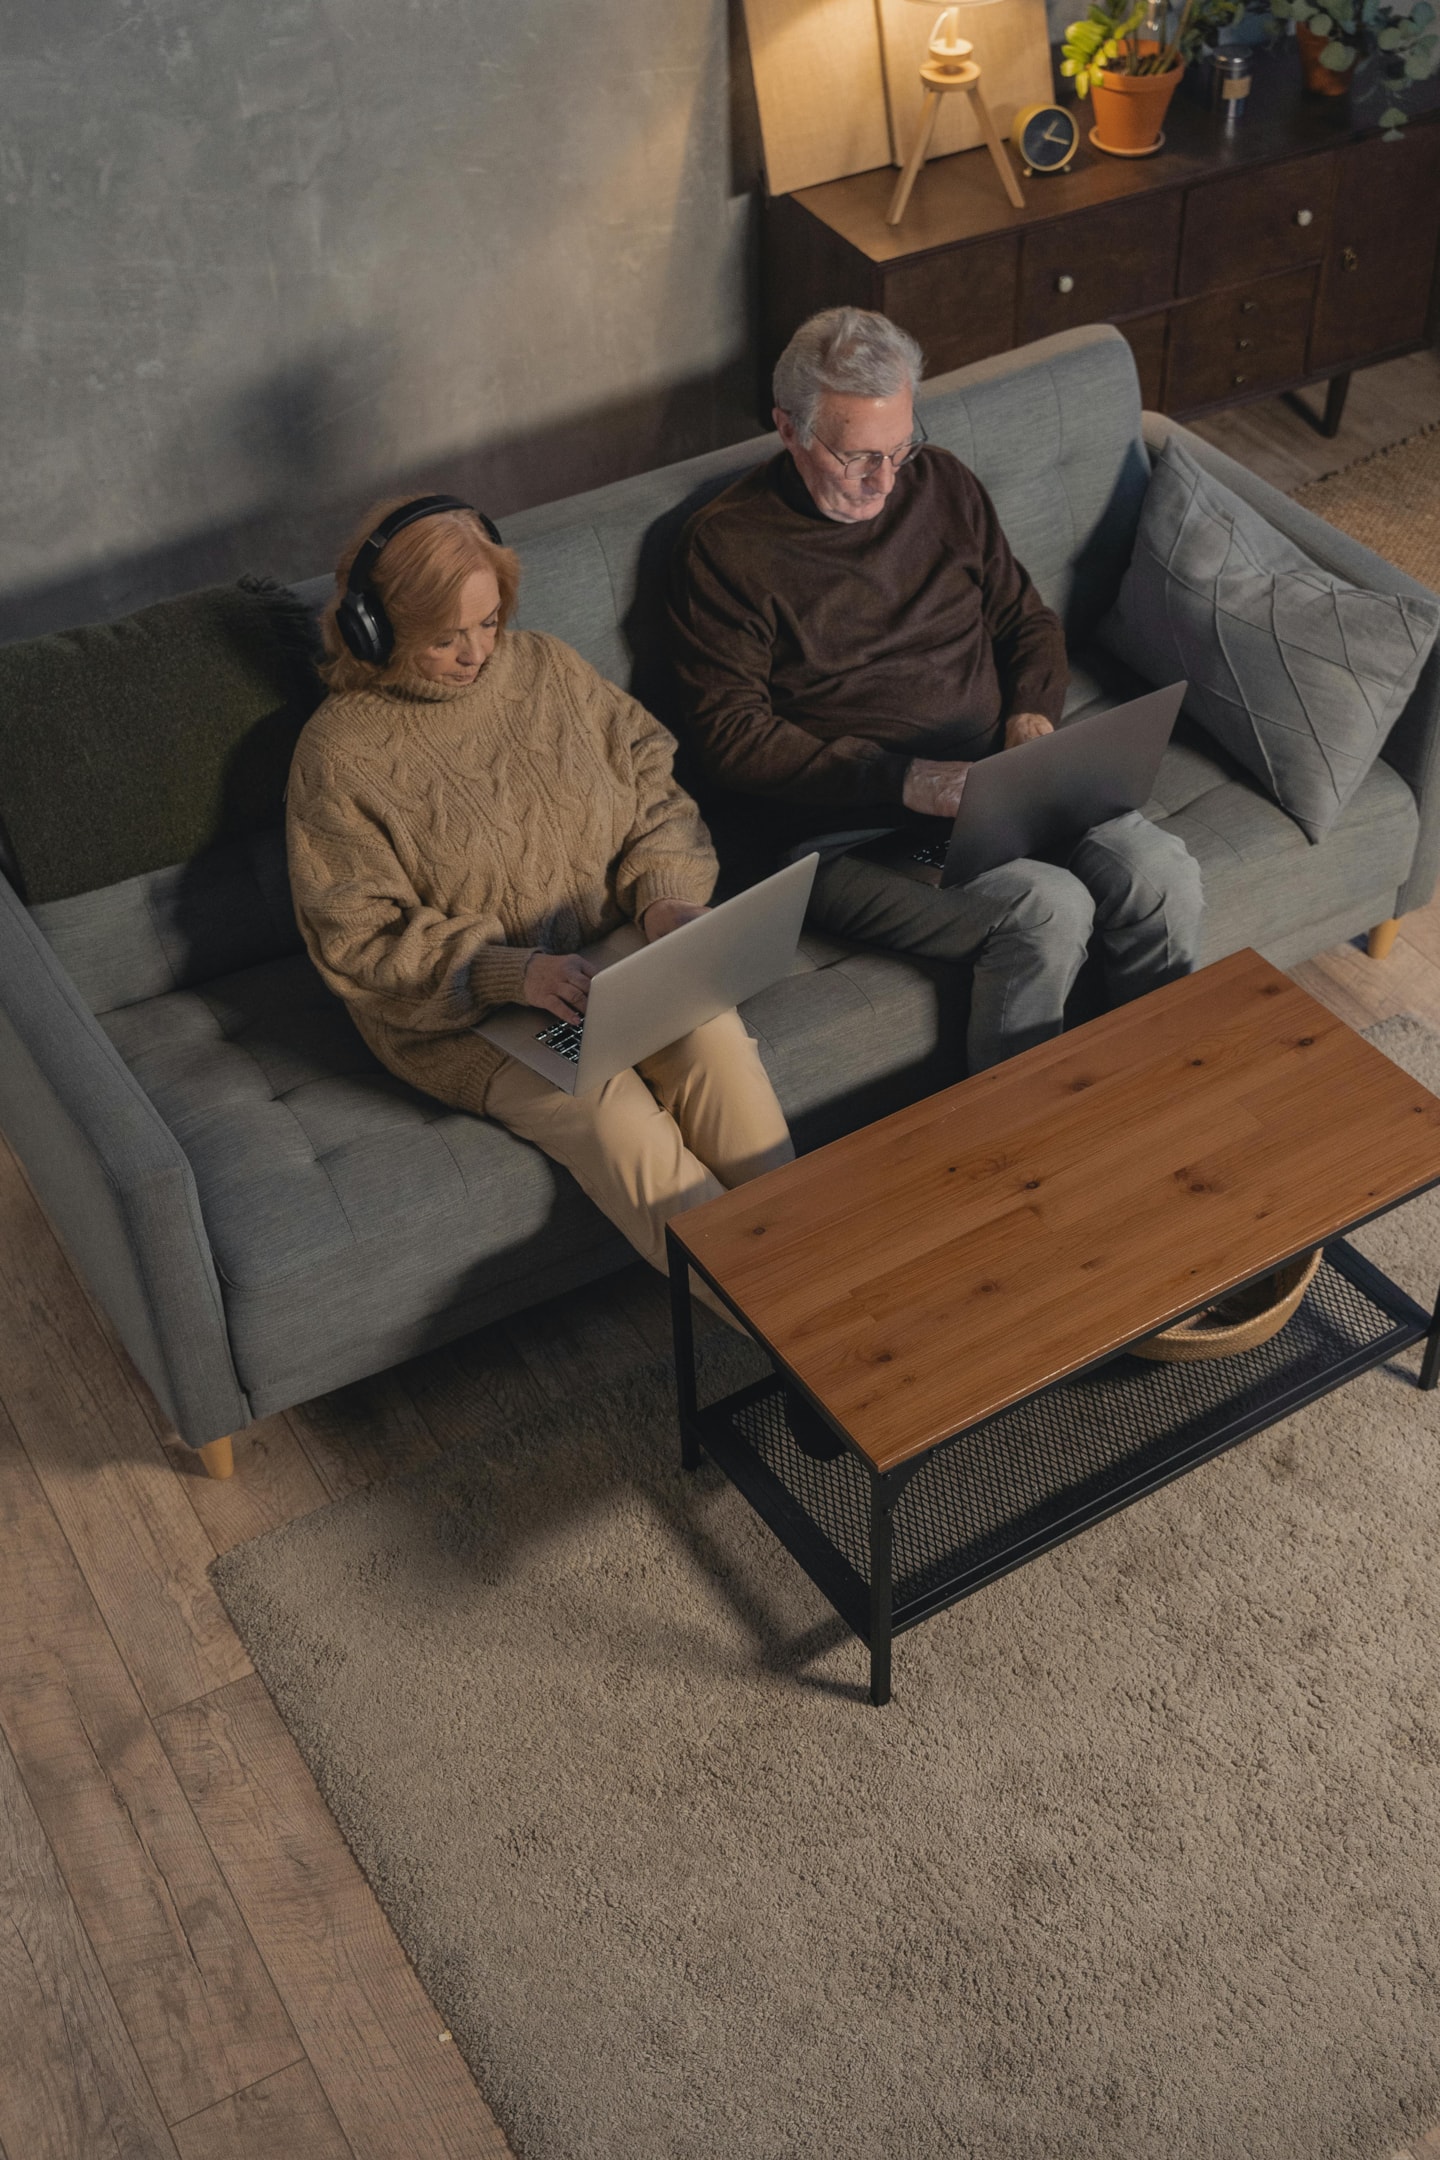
x=1142 y=1863
x=1389 y=502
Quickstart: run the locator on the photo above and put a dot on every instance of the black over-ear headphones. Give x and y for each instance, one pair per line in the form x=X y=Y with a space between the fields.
x=360 y=617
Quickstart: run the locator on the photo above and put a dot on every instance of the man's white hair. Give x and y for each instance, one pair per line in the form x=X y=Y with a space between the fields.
x=846 y=350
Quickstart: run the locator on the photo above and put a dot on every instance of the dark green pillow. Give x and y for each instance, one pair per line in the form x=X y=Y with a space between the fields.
x=135 y=744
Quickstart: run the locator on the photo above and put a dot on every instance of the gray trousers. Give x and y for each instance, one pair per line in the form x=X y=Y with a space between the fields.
x=1025 y=928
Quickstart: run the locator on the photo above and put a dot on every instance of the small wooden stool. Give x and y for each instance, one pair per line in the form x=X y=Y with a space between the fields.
x=961 y=74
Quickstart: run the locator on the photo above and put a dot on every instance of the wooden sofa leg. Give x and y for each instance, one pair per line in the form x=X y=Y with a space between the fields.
x=1382 y=937
x=218 y=1457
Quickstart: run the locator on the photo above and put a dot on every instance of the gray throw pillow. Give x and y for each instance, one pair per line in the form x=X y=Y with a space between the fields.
x=1297 y=674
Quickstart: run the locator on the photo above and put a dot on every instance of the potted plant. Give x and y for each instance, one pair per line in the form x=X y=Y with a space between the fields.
x=1129 y=59
x=1368 y=45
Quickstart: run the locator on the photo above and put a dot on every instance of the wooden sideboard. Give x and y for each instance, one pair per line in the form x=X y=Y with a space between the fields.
x=1290 y=251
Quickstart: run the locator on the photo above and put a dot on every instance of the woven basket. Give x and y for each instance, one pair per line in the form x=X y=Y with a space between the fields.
x=1240 y=1322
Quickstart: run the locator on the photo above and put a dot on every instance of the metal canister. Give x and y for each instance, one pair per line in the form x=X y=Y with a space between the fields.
x=1230 y=81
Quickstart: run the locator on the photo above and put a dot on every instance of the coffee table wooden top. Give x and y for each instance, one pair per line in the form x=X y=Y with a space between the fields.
x=925 y=1272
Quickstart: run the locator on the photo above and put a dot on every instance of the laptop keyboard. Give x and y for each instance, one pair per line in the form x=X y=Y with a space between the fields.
x=565 y=1036
x=930 y=852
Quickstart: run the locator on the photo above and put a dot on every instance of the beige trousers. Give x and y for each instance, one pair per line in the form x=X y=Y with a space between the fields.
x=672 y=1132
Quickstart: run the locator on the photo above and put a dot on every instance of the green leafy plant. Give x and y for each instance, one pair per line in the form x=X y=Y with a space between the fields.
x=1147 y=39
x=1389 y=47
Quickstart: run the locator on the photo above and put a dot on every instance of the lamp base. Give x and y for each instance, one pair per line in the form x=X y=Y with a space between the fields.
x=946 y=63
x=952 y=73
x=938 y=79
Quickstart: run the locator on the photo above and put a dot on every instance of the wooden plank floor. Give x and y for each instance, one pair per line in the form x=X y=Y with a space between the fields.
x=191 y=1964
x=1384 y=406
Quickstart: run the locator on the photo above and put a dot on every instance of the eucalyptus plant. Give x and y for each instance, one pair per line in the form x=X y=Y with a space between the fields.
x=1388 y=44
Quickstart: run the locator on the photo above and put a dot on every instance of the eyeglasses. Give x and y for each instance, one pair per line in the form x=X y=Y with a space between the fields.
x=866 y=463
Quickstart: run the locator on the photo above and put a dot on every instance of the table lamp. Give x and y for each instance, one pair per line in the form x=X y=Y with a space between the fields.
x=948 y=66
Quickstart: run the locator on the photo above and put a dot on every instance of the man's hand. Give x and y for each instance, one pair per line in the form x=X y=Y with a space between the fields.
x=663 y=915
x=933 y=786
x=1024 y=727
x=558 y=983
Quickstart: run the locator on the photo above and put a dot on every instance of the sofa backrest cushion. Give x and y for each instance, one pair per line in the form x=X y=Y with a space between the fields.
x=130 y=746
x=1052 y=430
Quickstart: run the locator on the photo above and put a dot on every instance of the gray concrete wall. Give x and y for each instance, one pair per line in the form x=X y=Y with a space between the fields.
x=262 y=259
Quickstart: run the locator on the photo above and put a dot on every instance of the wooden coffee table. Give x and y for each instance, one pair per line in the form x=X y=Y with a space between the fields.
x=951 y=1289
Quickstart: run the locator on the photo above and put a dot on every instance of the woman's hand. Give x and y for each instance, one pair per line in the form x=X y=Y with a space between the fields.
x=1024 y=727
x=664 y=915
x=558 y=983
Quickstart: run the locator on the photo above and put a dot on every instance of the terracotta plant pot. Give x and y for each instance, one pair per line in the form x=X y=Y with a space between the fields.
x=1130 y=110
x=1325 y=82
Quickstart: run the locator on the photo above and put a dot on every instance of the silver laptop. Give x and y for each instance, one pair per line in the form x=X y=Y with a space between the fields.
x=646 y=996
x=1037 y=799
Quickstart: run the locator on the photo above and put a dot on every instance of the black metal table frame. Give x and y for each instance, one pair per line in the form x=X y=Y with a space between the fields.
x=870 y=1610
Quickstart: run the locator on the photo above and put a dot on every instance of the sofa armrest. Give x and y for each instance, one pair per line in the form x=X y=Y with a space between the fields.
x=1413 y=745
x=115 y=1183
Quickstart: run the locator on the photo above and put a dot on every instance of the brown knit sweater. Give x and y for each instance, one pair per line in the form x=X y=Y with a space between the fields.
x=816 y=658
x=439 y=836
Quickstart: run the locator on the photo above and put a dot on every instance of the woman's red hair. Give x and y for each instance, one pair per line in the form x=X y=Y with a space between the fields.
x=418 y=580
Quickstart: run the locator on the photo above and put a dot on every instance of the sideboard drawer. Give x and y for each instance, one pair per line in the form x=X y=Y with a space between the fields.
x=1110 y=262
x=1375 y=286
x=1255 y=222
x=1233 y=343
x=960 y=305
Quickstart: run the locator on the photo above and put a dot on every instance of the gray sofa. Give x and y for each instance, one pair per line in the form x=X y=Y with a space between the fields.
x=266 y=1214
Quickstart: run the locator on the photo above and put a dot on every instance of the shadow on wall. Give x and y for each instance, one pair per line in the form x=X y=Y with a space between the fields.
x=294 y=462
x=747 y=150
x=308 y=509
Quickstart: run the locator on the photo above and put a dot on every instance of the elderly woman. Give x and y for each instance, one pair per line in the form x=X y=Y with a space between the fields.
x=470 y=806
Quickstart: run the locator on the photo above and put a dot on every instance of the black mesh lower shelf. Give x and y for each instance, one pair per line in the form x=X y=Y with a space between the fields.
x=981 y=1503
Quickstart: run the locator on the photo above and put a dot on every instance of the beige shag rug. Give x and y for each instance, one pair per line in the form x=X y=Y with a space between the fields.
x=1142 y=1863
x=1389 y=502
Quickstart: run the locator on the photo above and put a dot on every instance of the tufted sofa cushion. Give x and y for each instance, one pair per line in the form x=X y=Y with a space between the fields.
x=1257 y=865
x=355 y=1222
x=1265 y=883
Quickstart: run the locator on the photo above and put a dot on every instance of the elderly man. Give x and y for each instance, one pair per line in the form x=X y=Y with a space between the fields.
x=852 y=632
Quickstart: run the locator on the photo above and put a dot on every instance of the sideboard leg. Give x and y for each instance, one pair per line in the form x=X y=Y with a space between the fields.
x=218 y=1457
x=1336 y=392
x=1337 y=389
x=1382 y=937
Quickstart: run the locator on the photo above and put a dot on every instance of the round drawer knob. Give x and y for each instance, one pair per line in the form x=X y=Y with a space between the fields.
x=1304 y=217
x=1238 y=379
x=1064 y=283
x=1249 y=307
x=1245 y=344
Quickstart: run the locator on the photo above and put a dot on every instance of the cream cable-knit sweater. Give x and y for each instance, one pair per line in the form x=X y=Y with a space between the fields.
x=441 y=835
